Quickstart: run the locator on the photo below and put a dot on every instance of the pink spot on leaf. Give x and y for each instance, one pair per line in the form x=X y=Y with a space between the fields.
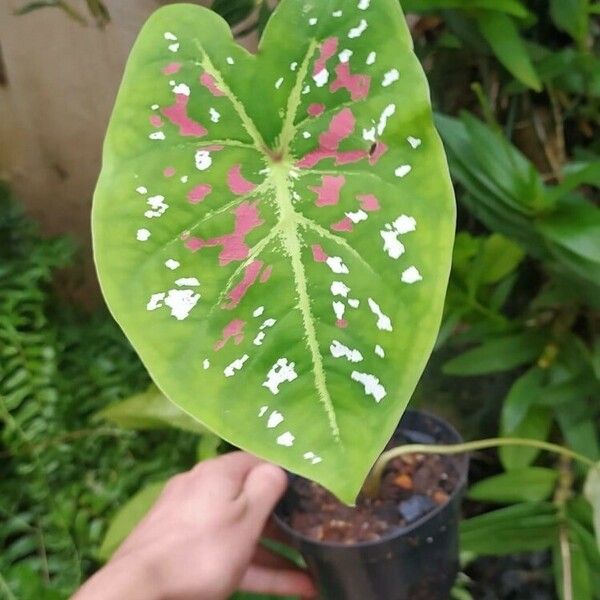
x=156 y=121
x=169 y=171
x=209 y=82
x=357 y=85
x=327 y=50
x=237 y=183
x=213 y=148
x=266 y=274
x=177 y=114
x=319 y=254
x=239 y=291
x=328 y=194
x=342 y=323
x=368 y=202
x=340 y=128
x=344 y=225
x=235 y=331
x=234 y=244
x=198 y=193
x=172 y=68
x=315 y=110
x=378 y=151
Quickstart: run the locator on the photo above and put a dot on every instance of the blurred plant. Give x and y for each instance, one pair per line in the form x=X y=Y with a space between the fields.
x=60 y=476
x=96 y=9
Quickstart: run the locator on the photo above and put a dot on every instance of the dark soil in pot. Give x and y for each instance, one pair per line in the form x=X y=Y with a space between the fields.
x=412 y=487
x=402 y=545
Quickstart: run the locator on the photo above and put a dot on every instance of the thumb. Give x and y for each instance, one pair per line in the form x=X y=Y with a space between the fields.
x=263 y=487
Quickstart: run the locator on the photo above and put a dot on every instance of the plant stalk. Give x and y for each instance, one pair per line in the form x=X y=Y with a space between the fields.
x=373 y=482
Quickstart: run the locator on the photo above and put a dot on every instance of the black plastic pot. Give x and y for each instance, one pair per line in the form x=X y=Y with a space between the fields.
x=417 y=562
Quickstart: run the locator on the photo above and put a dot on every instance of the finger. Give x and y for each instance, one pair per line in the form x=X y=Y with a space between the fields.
x=264 y=486
x=261 y=580
x=223 y=477
x=272 y=531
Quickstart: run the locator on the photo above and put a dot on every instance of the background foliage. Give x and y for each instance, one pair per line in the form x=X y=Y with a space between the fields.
x=517 y=88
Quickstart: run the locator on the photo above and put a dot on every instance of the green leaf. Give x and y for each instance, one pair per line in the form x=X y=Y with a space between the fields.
x=510 y=7
x=524 y=392
x=531 y=484
x=150 y=410
x=578 y=586
x=536 y=425
x=520 y=528
x=499 y=258
x=497 y=354
x=128 y=517
x=233 y=12
x=571 y=16
x=503 y=36
x=282 y=265
x=208 y=446
x=592 y=493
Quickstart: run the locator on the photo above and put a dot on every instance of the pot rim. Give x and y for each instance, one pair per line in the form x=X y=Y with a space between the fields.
x=396 y=531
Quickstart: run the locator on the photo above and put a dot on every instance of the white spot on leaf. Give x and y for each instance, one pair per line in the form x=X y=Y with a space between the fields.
x=384 y=323
x=230 y=60
x=143 y=235
x=391 y=244
x=155 y=301
x=357 y=31
x=358 y=216
x=339 y=288
x=174 y=47
x=235 y=366
x=280 y=372
x=170 y=36
x=388 y=112
x=279 y=83
x=157 y=135
x=203 y=160
x=339 y=308
x=337 y=13
x=206 y=364
x=371 y=58
x=172 y=264
x=371 y=385
x=345 y=55
x=275 y=419
x=187 y=282
x=313 y=21
x=321 y=78
x=215 y=115
x=259 y=311
x=158 y=206
x=413 y=141
x=391 y=76
x=411 y=275
x=338 y=350
x=364 y=4
x=142 y=190
x=182 y=88
x=293 y=66
x=403 y=170
x=263 y=410
x=181 y=303
x=379 y=351
x=286 y=439
x=336 y=264
x=306 y=135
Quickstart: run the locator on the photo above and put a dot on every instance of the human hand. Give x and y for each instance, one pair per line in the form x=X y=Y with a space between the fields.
x=200 y=541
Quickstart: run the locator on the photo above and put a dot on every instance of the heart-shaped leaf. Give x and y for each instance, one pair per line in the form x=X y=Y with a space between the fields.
x=274 y=232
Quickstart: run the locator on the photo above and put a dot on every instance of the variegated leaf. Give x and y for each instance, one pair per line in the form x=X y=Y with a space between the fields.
x=274 y=232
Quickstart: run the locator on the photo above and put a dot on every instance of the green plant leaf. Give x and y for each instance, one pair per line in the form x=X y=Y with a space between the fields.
x=524 y=392
x=520 y=528
x=535 y=425
x=503 y=36
x=510 y=7
x=572 y=17
x=128 y=517
x=592 y=493
x=149 y=410
x=497 y=354
x=499 y=258
x=531 y=484
x=274 y=232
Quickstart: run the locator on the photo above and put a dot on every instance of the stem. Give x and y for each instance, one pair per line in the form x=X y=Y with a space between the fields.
x=373 y=482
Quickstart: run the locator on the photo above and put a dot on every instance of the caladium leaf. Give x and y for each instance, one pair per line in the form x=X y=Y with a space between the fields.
x=273 y=232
